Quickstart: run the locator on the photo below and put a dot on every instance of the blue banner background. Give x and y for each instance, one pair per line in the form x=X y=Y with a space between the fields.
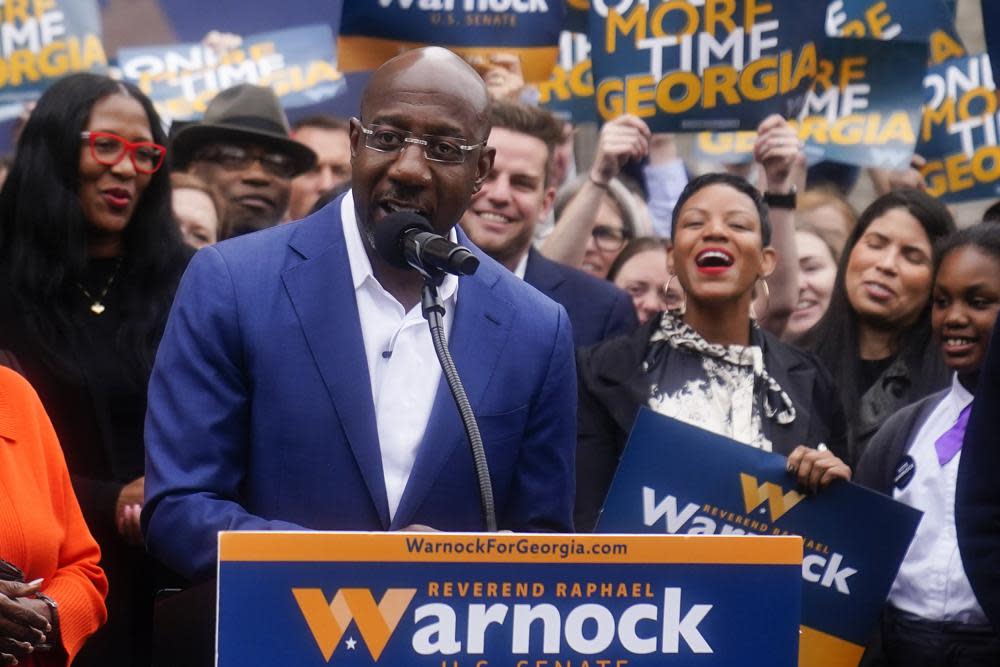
x=798 y=23
x=894 y=74
x=871 y=531
x=299 y=47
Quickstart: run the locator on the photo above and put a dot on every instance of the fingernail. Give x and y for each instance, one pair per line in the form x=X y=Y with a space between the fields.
x=790 y=468
x=36 y=581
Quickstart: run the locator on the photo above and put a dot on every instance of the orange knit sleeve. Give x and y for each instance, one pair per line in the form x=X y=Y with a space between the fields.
x=78 y=585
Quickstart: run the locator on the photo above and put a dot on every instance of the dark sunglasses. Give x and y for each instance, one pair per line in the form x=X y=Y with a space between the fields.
x=240 y=157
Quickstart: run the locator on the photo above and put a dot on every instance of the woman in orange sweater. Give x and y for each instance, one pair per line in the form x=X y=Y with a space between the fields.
x=43 y=541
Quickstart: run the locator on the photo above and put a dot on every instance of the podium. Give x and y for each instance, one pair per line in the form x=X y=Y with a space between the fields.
x=511 y=600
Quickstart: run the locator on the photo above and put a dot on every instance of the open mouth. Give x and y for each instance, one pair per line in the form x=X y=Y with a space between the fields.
x=713 y=260
x=957 y=343
x=495 y=218
x=389 y=207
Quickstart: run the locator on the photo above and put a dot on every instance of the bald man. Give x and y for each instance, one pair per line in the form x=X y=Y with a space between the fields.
x=296 y=386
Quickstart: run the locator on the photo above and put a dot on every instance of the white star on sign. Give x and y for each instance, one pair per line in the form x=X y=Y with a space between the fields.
x=351 y=643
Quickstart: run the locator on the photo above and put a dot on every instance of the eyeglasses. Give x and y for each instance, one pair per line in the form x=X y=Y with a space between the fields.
x=437 y=149
x=110 y=149
x=241 y=157
x=608 y=238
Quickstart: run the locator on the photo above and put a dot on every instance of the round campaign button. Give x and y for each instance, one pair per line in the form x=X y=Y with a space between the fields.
x=904 y=472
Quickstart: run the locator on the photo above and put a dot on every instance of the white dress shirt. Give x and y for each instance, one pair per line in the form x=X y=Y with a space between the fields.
x=403 y=368
x=931 y=582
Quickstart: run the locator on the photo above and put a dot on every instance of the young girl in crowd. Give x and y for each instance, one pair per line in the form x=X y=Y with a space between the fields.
x=709 y=364
x=875 y=334
x=933 y=617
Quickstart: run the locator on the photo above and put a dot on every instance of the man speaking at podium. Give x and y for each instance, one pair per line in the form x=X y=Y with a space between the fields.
x=296 y=386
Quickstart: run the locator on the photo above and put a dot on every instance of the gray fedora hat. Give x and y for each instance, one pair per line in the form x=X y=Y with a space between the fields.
x=242 y=113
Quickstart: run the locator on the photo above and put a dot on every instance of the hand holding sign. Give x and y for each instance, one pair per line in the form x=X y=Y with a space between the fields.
x=816 y=468
x=624 y=138
x=502 y=74
x=779 y=151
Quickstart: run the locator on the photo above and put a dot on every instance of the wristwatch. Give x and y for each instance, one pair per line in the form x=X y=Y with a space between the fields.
x=781 y=200
x=53 y=634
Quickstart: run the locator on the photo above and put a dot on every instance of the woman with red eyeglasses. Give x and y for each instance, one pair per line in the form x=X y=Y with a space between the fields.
x=89 y=261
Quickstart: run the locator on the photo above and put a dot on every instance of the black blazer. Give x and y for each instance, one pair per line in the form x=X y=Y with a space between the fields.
x=977 y=498
x=613 y=386
x=597 y=309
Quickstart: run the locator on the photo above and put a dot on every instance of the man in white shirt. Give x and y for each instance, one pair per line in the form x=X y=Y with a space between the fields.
x=296 y=385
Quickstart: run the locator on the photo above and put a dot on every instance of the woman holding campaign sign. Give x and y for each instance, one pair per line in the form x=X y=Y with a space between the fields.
x=875 y=334
x=933 y=617
x=90 y=258
x=709 y=364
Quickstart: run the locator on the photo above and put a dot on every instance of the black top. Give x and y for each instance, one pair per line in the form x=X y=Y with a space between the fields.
x=95 y=395
x=613 y=385
x=871 y=370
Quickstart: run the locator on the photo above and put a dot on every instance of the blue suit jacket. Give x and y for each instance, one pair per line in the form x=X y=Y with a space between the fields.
x=261 y=414
x=597 y=309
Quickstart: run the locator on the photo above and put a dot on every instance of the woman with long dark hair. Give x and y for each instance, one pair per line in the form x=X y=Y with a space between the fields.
x=89 y=260
x=709 y=364
x=876 y=334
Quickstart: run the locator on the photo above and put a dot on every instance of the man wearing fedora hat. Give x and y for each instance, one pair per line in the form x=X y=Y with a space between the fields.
x=244 y=150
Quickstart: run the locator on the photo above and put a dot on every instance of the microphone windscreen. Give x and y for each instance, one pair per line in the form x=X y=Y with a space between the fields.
x=390 y=232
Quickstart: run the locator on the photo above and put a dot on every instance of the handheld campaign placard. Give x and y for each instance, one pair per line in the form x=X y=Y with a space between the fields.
x=373 y=32
x=298 y=63
x=960 y=131
x=681 y=480
x=44 y=40
x=929 y=22
x=569 y=92
x=687 y=66
x=506 y=600
x=865 y=106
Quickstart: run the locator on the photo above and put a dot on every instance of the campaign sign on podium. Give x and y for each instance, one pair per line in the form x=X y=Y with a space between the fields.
x=677 y=479
x=507 y=600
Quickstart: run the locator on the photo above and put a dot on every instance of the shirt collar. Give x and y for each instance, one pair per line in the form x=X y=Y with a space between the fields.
x=522 y=265
x=959 y=395
x=361 y=266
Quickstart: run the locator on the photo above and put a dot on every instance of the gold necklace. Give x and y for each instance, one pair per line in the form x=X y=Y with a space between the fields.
x=97 y=307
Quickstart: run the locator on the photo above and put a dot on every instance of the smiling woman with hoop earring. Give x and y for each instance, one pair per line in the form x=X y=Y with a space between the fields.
x=89 y=260
x=711 y=365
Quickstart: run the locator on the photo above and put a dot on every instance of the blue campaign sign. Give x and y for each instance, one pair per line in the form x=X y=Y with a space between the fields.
x=960 y=130
x=298 y=63
x=991 y=26
x=373 y=32
x=927 y=21
x=678 y=479
x=865 y=105
x=45 y=41
x=569 y=92
x=686 y=67
x=477 y=600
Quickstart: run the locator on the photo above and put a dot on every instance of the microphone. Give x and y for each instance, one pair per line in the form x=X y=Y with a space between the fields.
x=406 y=240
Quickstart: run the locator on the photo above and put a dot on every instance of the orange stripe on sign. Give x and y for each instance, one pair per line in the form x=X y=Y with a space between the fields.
x=819 y=649
x=356 y=54
x=508 y=548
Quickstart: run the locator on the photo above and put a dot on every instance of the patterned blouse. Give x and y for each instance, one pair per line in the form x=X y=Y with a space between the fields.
x=720 y=388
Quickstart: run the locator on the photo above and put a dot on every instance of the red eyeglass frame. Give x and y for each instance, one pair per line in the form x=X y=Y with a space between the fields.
x=129 y=148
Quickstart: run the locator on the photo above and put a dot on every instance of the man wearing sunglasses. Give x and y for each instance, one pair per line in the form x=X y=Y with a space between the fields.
x=515 y=198
x=243 y=150
x=296 y=385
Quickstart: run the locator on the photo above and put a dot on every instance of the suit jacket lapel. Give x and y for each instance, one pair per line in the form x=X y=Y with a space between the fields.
x=322 y=293
x=539 y=274
x=480 y=329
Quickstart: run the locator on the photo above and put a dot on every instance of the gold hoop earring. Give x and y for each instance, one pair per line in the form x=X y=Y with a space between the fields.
x=682 y=308
x=767 y=300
